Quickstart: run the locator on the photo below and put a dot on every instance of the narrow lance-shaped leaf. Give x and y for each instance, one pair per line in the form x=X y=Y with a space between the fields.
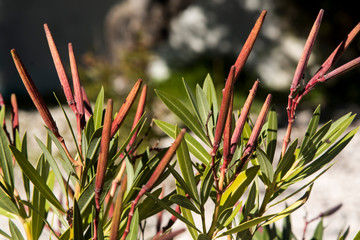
x=186 y=167
x=301 y=201
x=125 y=108
x=186 y=116
x=36 y=179
x=154 y=177
x=77 y=222
x=60 y=69
x=103 y=155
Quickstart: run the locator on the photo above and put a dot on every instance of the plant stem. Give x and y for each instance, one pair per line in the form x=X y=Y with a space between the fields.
x=154 y=177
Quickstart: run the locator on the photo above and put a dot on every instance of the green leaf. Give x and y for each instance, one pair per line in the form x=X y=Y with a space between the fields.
x=38 y=201
x=98 y=109
x=192 y=100
x=148 y=207
x=53 y=165
x=329 y=154
x=204 y=110
x=209 y=89
x=238 y=186
x=36 y=179
x=188 y=215
x=15 y=232
x=271 y=137
x=246 y=225
x=186 y=167
x=250 y=201
x=336 y=129
x=266 y=168
x=134 y=226
x=184 y=202
x=86 y=198
x=319 y=231
x=5 y=234
x=357 y=237
x=65 y=161
x=6 y=161
x=41 y=217
x=286 y=230
x=231 y=216
x=203 y=237
x=22 y=144
x=7 y=203
x=287 y=161
x=207 y=181
x=171 y=211
x=311 y=129
x=194 y=146
x=301 y=201
x=2 y=116
x=180 y=110
x=77 y=222
x=69 y=126
x=181 y=182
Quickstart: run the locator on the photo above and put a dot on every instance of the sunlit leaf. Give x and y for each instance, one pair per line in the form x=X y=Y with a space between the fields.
x=134 y=226
x=7 y=203
x=266 y=168
x=41 y=217
x=192 y=100
x=194 y=146
x=185 y=164
x=301 y=201
x=6 y=161
x=36 y=179
x=271 y=137
x=53 y=165
x=204 y=110
x=238 y=187
x=15 y=232
x=98 y=109
x=180 y=110
x=335 y=131
x=311 y=129
x=209 y=89
x=246 y=225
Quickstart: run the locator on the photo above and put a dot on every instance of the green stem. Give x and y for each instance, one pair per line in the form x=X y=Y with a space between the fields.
x=203 y=218
x=215 y=215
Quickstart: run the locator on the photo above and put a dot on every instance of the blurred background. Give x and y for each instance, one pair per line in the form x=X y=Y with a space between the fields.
x=162 y=41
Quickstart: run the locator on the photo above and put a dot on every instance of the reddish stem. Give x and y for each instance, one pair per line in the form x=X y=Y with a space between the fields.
x=60 y=69
x=102 y=162
x=154 y=177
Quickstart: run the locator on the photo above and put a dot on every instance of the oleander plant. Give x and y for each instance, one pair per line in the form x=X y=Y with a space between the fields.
x=110 y=186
